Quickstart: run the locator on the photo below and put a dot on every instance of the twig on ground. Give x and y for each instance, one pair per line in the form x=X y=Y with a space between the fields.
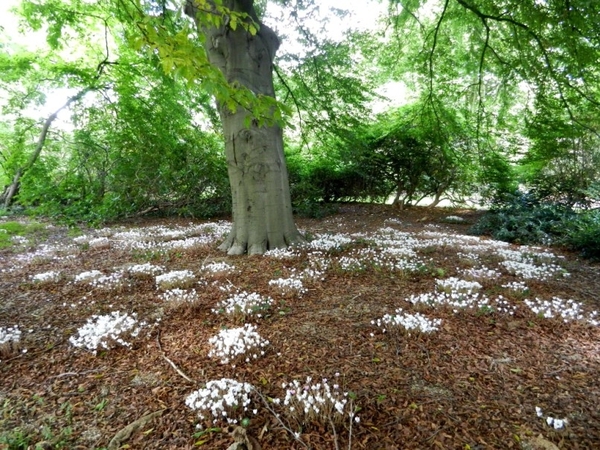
x=177 y=369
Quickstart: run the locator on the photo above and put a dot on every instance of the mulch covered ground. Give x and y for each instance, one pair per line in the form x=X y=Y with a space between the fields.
x=473 y=384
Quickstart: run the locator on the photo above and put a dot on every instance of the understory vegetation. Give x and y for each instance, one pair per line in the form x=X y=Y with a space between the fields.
x=428 y=280
x=386 y=327
x=472 y=121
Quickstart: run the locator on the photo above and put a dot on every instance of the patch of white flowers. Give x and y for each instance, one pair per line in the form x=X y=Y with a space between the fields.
x=100 y=242
x=176 y=279
x=516 y=286
x=86 y=277
x=111 y=281
x=145 y=270
x=282 y=253
x=482 y=272
x=454 y=219
x=244 y=303
x=289 y=285
x=308 y=403
x=456 y=285
x=567 y=310
x=46 y=277
x=218 y=267
x=410 y=322
x=351 y=264
x=160 y=238
x=107 y=331
x=329 y=242
x=530 y=271
x=9 y=339
x=460 y=301
x=230 y=344
x=222 y=400
x=180 y=296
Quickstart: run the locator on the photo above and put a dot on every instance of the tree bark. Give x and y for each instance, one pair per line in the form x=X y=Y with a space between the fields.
x=262 y=207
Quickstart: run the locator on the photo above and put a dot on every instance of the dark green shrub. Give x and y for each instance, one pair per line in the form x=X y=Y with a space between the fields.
x=521 y=218
x=584 y=235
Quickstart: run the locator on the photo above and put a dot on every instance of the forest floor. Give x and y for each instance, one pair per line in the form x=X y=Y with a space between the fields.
x=495 y=374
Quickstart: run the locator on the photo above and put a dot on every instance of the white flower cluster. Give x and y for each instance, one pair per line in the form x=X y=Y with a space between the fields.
x=289 y=285
x=456 y=285
x=160 y=238
x=86 y=277
x=397 y=259
x=282 y=253
x=567 y=310
x=557 y=424
x=223 y=399
x=482 y=272
x=46 y=277
x=218 y=267
x=100 y=242
x=469 y=256
x=176 y=279
x=307 y=403
x=531 y=271
x=501 y=305
x=454 y=219
x=145 y=270
x=9 y=339
x=329 y=242
x=83 y=239
x=410 y=322
x=180 y=296
x=244 y=303
x=107 y=331
x=19 y=239
x=111 y=281
x=458 y=301
x=228 y=345
x=351 y=264
x=516 y=286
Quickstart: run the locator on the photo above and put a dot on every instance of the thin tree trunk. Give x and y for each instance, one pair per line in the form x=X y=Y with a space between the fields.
x=262 y=207
x=13 y=188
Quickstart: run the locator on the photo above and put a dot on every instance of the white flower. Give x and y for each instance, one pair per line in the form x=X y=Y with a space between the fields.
x=229 y=344
x=408 y=321
x=106 y=331
x=223 y=399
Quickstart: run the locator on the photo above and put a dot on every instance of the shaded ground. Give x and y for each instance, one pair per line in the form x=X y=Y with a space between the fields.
x=473 y=384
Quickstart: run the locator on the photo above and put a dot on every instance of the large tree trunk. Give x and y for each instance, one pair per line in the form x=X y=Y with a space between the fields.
x=262 y=208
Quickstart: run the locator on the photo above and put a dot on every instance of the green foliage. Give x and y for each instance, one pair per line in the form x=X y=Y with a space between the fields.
x=522 y=218
x=583 y=234
x=526 y=219
x=563 y=162
x=10 y=229
x=418 y=150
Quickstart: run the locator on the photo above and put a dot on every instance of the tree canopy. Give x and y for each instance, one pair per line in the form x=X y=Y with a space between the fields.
x=497 y=93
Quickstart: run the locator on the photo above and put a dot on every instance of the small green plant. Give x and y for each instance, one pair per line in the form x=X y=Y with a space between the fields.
x=15 y=439
x=9 y=231
x=100 y=406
